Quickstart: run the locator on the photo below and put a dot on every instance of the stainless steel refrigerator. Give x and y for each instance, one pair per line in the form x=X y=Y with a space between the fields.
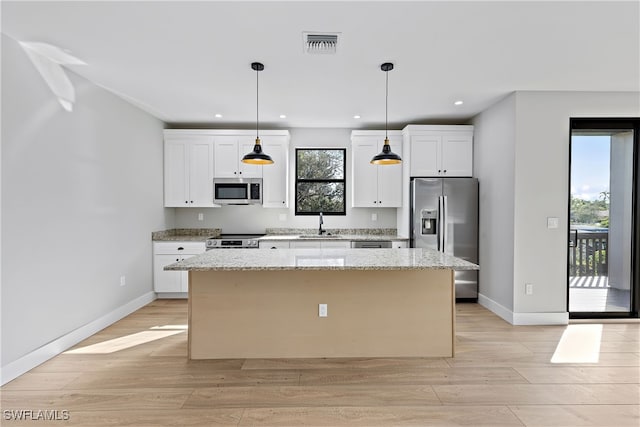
x=444 y=217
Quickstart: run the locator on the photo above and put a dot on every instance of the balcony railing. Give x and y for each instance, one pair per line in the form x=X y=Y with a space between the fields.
x=588 y=254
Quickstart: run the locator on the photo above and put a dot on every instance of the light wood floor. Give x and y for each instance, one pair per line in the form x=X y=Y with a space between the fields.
x=135 y=373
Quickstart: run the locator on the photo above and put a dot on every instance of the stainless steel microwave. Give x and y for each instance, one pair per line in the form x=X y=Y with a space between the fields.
x=237 y=191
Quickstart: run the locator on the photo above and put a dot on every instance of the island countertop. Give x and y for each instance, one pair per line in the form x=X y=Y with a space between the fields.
x=321 y=259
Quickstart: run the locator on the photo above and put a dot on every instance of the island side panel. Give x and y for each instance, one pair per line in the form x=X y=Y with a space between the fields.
x=268 y=314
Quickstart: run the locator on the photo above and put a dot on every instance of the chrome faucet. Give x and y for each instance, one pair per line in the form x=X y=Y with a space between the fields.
x=320 y=230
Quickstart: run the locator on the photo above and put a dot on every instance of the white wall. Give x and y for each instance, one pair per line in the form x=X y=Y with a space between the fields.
x=254 y=219
x=542 y=189
x=81 y=194
x=620 y=210
x=541 y=172
x=494 y=155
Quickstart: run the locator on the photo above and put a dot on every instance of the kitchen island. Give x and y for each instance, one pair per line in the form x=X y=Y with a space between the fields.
x=249 y=303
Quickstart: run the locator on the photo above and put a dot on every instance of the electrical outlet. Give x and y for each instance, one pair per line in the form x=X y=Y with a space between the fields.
x=200 y=216
x=322 y=310
x=123 y=280
x=552 y=222
x=374 y=217
x=528 y=288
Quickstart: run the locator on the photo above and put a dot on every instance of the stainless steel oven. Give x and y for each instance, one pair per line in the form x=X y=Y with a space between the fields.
x=231 y=241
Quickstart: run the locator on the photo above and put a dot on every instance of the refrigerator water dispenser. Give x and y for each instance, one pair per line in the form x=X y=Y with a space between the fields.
x=429 y=221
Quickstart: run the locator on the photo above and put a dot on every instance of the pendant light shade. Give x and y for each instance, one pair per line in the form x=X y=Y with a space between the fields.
x=257 y=157
x=386 y=157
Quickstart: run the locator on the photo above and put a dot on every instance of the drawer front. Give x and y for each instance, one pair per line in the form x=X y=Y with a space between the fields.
x=335 y=245
x=193 y=248
x=274 y=244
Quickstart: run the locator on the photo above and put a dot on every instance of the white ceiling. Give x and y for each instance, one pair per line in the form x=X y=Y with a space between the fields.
x=186 y=61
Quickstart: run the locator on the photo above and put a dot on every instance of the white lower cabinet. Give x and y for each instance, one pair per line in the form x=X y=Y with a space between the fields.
x=318 y=244
x=341 y=244
x=165 y=253
x=273 y=244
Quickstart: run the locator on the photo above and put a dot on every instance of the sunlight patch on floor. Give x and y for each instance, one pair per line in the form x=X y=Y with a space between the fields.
x=128 y=341
x=172 y=327
x=579 y=344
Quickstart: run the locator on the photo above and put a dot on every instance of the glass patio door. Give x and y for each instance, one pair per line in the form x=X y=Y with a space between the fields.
x=601 y=220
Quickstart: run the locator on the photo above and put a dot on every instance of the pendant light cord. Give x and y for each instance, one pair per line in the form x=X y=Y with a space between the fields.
x=257 y=102
x=386 y=104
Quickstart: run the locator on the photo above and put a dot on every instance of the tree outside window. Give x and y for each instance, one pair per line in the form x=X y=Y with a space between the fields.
x=320 y=181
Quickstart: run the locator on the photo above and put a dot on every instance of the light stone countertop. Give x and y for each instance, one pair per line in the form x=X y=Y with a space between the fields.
x=202 y=234
x=184 y=234
x=321 y=259
x=331 y=237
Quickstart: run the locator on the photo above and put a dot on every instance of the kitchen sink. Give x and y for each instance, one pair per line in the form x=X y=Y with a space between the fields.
x=320 y=236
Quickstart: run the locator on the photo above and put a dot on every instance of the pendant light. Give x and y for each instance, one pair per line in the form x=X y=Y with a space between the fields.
x=257 y=157
x=386 y=157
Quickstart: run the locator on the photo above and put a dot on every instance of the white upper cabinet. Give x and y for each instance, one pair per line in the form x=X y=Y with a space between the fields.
x=457 y=154
x=275 y=177
x=375 y=185
x=188 y=171
x=228 y=153
x=193 y=157
x=440 y=150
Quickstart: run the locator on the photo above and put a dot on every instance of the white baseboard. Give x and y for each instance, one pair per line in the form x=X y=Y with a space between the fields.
x=172 y=295
x=555 y=318
x=561 y=318
x=47 y=351
x=496 y=308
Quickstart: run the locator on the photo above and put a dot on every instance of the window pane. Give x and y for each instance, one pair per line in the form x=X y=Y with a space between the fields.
x=320 y=164
x=320 y=197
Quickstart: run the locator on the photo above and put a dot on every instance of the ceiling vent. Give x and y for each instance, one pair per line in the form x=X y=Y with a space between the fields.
x=318 y=43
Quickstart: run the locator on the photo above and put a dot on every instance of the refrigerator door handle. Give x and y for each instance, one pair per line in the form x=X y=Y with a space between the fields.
x=413 y=214
x=440 y=222
x=445 y=213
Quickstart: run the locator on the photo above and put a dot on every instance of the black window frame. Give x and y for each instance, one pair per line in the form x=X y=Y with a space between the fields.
x=343 y=181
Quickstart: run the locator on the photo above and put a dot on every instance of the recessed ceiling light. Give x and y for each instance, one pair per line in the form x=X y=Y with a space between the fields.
x=283 y=116
x=458 y=103
x=218 y=116
x=356 y=116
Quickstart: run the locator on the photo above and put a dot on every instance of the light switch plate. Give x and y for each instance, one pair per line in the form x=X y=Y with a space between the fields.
x=552 y=222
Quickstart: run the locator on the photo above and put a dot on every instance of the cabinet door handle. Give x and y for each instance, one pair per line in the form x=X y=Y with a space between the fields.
x=240 y=172
x=273 y=247
x=439 y=170
x=445 y=171
x=235 y=173
x=375 y=201
x=186 y=201
x=180 y=248
x=177 y=259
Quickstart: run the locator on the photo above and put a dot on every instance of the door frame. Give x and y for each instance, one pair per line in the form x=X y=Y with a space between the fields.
x=609 y=123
